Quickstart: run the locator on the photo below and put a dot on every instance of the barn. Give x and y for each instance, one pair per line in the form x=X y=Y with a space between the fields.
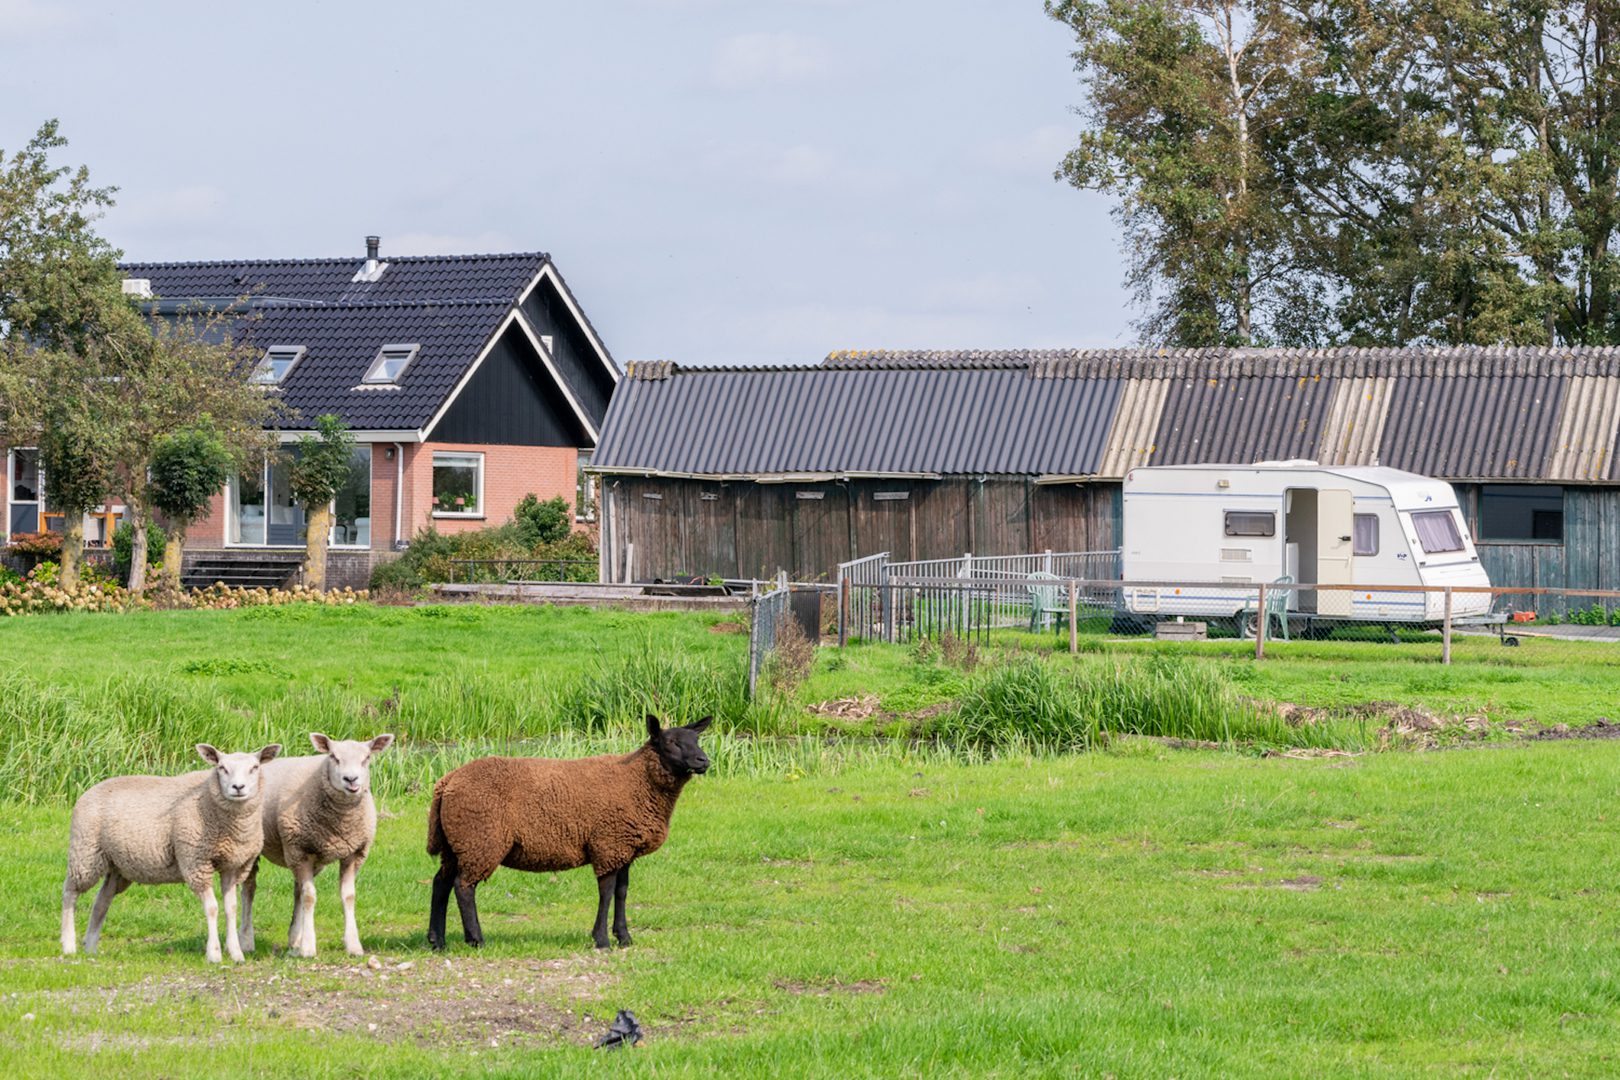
x=741 y=472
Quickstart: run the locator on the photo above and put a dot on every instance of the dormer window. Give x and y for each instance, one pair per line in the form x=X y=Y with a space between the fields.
x=278 y=362
x=391 y=362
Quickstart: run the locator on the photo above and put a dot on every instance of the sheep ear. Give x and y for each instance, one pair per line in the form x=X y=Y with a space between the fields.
x=654 y=728
x=381 y=743
x=208 y=753
x=269 y=753
x=320 y=742
x=701 y=726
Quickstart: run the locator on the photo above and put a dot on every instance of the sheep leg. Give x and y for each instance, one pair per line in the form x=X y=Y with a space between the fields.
x=70 y=904
x=351 y=932
x=204 y=888
x=111 y=887
x=467 y=901
x=250 y=885
x=233 y=944
x=604 y=900
x=301 y=936
x=621 y=889
x=443 y=882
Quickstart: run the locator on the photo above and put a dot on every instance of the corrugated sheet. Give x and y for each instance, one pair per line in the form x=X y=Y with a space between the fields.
x=1473 y=427
x=1355 y=422
x=1130 y=439
x=1241 y=418
x=797 y=420
x=1346 y=362
x=1583 y=448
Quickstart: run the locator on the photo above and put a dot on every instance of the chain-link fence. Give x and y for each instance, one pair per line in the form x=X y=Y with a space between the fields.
x=766 y=614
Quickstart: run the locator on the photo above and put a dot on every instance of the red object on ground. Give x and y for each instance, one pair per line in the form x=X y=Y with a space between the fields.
x=1524 y=616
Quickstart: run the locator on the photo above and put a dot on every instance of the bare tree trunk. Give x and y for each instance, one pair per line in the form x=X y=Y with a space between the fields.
x=174 y=556
x=137 y=552
x=1239 y=207
x=320 y=528
x=72 y=550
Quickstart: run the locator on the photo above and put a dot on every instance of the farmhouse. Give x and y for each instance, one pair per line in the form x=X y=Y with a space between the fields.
x=742 y=471
x=468 y=381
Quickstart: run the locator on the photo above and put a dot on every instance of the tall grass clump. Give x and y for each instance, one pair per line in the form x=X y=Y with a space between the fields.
x=1027 y=704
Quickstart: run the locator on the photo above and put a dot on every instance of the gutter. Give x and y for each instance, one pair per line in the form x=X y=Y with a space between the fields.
x=399 y=494
x=760 y=478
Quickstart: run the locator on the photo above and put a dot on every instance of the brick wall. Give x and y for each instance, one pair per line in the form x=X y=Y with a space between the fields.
x=510 y=472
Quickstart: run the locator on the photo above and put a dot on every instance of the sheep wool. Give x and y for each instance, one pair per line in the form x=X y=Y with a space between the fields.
x=159 y=830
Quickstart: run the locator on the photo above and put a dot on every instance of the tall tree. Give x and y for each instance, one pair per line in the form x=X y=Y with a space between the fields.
x=320 y=469
x=1180 y=96
x=189 y=467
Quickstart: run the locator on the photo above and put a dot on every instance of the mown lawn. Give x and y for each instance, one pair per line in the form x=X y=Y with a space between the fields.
x=1140 y=912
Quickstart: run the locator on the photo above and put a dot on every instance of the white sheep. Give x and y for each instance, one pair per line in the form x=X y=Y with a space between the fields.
x=317 y=810
x=159 y=830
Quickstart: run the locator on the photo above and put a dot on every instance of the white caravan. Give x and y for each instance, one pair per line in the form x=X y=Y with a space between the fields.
x=1245 y=524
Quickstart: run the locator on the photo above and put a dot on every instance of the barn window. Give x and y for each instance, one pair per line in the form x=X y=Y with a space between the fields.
x=1521 y=512
x=1437 y=531
x=1366 y=530
x=458 y=485
x=1251 y=523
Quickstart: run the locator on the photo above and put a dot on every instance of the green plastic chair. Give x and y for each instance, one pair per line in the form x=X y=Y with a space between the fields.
x=1048 y=603
x=1277 y=594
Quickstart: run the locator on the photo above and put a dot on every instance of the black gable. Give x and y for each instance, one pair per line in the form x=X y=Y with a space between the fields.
x=511 y=400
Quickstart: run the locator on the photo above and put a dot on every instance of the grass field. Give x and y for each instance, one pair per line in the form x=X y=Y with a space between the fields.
x=834 y=903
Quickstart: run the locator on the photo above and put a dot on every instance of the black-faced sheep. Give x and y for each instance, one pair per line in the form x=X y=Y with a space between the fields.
x=318 y=810
x=159 y=830
x=544 y=814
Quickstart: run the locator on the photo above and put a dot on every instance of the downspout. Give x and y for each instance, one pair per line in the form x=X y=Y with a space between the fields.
x=399 y=493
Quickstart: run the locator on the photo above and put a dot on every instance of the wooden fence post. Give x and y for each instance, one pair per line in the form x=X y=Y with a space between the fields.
x=1074 y=641
x=1264 y=621
x=1445 y=633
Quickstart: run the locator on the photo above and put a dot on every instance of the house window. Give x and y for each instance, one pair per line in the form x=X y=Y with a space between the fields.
x=458 y=485
x=260 y=508
x=1521 y=512
x=1366 y=530
x=584 y=490
x=351 y=508
x=1251 y=523
x=391 y=362
x=278 y=362
x=1437 y=531
x=22 y=480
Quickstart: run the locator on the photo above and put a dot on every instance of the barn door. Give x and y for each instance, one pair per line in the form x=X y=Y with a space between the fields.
x=1335 y=546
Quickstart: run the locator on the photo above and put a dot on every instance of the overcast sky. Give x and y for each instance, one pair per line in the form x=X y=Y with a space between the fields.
x=720 y=181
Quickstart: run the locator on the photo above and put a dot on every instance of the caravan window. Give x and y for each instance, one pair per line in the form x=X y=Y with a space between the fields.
x=1437 y=531
x=1250 y=523
x=1366 y=530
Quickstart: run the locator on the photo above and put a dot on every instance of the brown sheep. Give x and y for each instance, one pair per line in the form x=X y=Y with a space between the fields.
x=546 y=814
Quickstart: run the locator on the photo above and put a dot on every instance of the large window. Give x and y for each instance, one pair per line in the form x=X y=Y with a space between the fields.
x=458 y=485
x=22 y=480
x=1521 y=512
x=1437 y=531
x=351 y=509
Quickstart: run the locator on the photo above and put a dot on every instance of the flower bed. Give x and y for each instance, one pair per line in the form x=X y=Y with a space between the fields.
x=38 y=595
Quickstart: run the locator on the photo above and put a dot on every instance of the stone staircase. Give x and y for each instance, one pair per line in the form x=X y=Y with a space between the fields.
x=246 y=569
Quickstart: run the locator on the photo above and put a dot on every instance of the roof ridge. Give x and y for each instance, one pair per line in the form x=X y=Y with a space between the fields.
x=339 y=259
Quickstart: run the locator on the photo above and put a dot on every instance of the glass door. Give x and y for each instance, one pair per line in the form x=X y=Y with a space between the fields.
x=247 y=509
x=284 y=517
x=23 y=480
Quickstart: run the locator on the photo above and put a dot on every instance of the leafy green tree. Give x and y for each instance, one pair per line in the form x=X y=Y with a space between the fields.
x=542 y=522
x=320 y=469
x=76 y=475
x=189 y=467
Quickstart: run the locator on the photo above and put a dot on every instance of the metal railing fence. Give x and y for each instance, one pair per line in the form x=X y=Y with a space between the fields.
x=766 y=612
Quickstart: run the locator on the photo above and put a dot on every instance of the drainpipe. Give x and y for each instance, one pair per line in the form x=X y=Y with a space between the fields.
x=399 y=492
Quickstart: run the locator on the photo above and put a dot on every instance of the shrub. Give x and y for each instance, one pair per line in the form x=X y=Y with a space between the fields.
x=47 y=544
x=396 y=575
x=1028 y=703
x=431 y=554
x=157 y=541
x=791 y=658
x=542 y=522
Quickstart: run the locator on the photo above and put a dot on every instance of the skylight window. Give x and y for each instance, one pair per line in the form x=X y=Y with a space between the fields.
x=391 y=362
x=278 y=362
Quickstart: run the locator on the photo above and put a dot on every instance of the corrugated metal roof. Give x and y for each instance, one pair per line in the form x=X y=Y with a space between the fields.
x=1355 y=422
x=1472 y=427
x=812 y=420
x=1349 y=361
x=1130 y=440
x=1583 y=447
x=1241 y=418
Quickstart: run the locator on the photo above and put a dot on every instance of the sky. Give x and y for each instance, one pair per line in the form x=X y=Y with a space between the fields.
x=719 y=181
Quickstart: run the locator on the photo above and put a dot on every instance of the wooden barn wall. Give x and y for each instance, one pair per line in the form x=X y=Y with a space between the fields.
x=750 y=530
x=1589 y=557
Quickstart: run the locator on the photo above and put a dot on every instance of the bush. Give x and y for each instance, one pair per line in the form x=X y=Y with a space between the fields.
x=47 y=544
x=396 y=575
x=543 y=522
x=124 y=543
x=432 y=555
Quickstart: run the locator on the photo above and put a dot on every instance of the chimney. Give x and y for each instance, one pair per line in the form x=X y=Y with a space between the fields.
x=374 y=267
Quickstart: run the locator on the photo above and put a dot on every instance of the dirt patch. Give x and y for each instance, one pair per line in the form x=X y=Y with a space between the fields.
x=861 y=707
x=728 y=628
x=1601 y=728
x=432 y=1001
x=822 y=987
x=1303 y=883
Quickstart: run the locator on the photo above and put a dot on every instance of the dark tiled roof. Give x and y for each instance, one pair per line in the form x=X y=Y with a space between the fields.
x=414 y=278
x=805 y=419
x=342 y=341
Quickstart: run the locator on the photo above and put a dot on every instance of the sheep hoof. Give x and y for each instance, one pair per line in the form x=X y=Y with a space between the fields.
x=624 y=941
x=603 y=943
x=435 y=942
x=213 y=956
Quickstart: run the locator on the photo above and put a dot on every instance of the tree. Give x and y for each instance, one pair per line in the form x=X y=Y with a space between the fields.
x=320 y=469
x=542 y=522
x=77 y=476
x=1180 y=96
x=189 y=467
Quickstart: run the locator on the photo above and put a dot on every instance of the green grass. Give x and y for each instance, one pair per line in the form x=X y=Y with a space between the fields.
x=1137 y=912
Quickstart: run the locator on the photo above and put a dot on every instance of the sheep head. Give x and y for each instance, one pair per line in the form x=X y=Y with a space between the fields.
x=238 y=775
x=678 y=748
x=348 y=762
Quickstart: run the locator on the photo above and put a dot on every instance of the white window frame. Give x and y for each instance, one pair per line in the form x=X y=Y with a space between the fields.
x=375 y=377
x=264 y=474
x=39 y=491
x=371 y=476
x=263 y=371
x=590 y=486
x=477 y=458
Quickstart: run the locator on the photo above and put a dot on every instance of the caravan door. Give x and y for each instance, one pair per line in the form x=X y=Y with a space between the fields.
x=1335 y=549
